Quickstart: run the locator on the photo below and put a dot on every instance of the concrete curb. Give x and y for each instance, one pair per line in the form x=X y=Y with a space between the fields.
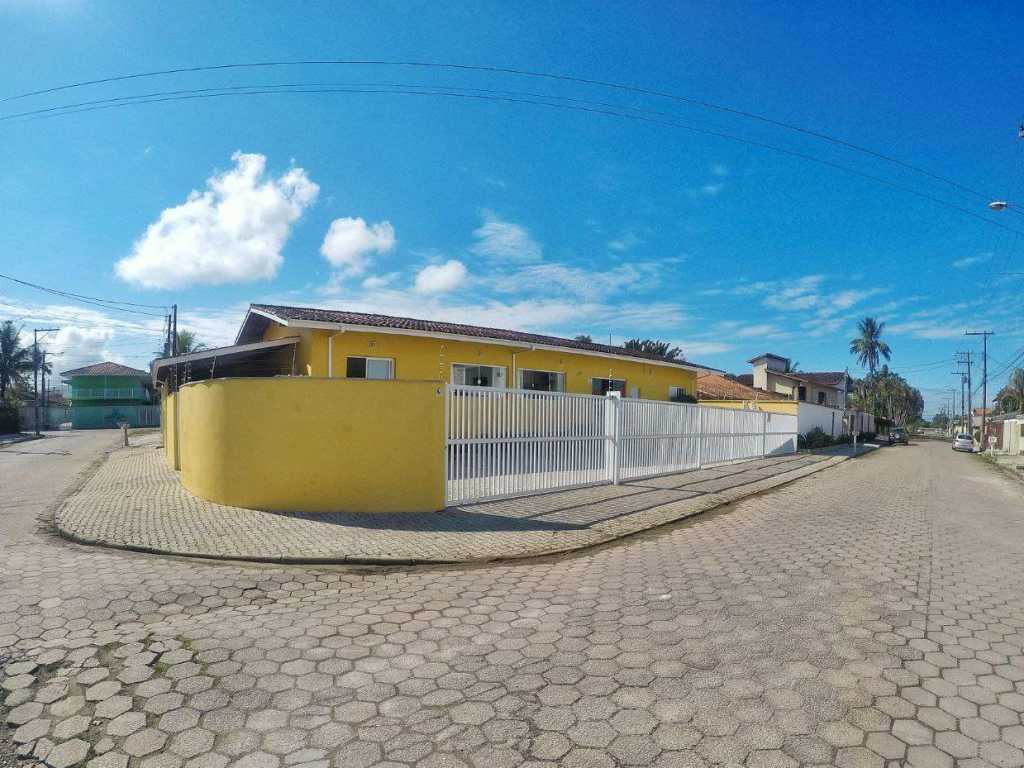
x=602 y=533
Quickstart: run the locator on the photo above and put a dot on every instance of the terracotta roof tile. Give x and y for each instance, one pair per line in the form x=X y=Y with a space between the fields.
x=713 y=386
x=455 y=329
x=105 y=369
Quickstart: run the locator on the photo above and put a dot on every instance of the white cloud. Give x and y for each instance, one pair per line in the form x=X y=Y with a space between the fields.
x=562 y=279
x=799 y=294
x=719 y=170
x=628 y=241
x=231 y=232
x=696 y=347
x=968 y=261
x=350 y=243
x=379 y=281
x=712 y=189
x=504 y=241
x=440 y=278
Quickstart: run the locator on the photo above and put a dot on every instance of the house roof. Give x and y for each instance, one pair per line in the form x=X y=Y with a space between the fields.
x=981 y=411
x=106 y=368
x=768 y=354
x=238 y=357
x=259 y=315
x=715 y=386
x=822 y=378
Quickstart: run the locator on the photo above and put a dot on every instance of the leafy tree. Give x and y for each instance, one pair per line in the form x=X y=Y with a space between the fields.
x=868 y=346
x=15 y=360
x=584 y=338
x=792 y=367
x=652 y=347
x=1011 y=397
x=889 y=397
x=187 y=342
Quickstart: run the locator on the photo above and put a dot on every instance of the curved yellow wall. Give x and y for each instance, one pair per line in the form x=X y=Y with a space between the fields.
x=313 y=445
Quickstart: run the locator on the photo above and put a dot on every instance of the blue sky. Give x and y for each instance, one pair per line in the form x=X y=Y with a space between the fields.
x=519 y=215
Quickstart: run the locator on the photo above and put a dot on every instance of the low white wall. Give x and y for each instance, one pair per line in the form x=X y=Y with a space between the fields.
x=830 y=420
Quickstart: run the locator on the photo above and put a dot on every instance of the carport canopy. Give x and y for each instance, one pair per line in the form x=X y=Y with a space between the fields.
x=259 y=359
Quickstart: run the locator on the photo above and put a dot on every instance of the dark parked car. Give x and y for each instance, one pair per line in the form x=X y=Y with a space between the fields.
x=898 y=435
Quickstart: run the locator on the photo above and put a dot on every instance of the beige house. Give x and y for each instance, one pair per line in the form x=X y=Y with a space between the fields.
x=771 y=373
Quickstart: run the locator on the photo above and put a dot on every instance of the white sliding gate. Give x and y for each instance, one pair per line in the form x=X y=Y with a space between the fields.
x=509 y=442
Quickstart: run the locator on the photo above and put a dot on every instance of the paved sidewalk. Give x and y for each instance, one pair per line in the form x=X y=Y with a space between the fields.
x=134 y=501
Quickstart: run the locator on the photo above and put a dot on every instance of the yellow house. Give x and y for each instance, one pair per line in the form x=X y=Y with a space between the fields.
x=321 y=410
x=355 y=345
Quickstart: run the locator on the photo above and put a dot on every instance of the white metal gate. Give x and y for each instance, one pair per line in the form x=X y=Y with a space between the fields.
x=506 y=442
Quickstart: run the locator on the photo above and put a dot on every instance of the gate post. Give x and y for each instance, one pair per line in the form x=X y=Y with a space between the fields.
x=764 y=434
x=700 y=436
x=612 y=426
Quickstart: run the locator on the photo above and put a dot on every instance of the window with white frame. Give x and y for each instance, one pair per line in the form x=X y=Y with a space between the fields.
x=541 y=381
x=604 y=386
x=479 y=375
x=678 y=394
x=370 y=368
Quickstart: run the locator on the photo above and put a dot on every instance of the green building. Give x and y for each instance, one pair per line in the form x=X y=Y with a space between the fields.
x=106 y=395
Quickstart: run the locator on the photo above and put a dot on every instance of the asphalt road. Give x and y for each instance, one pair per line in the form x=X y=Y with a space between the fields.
x=868 y=614
x=34 y=473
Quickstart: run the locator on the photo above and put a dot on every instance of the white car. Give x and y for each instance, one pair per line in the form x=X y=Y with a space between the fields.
x=963 y=443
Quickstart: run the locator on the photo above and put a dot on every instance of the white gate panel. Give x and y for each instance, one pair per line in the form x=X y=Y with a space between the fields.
x=507 y=442
x=504 y=442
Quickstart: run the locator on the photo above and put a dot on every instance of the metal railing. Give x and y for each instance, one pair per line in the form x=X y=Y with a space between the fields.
x=503 y=442
x=109 y=393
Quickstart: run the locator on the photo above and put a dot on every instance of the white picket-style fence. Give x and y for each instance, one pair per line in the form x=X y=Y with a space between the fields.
x=510 y=442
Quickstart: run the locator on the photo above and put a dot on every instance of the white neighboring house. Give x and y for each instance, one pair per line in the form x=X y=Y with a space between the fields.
x=825 y=392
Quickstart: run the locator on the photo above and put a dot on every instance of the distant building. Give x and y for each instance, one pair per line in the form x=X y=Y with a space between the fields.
x=106 y=395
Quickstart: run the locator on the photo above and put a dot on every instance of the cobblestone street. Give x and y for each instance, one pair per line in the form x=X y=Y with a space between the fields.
x=867 y=615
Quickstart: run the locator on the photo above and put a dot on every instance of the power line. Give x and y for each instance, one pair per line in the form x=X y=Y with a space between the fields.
x=105 y=303
x=704 y=104
x=613 y=111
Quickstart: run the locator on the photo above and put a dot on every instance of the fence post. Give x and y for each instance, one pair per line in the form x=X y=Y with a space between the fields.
x=764 y=434
x=700 y=437
x=612 y=426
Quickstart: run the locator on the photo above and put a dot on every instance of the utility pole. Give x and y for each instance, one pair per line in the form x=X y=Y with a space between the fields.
x=965 y=359
x=35 y=368
x=984 y=377
x=963 y=379
x=174 y=330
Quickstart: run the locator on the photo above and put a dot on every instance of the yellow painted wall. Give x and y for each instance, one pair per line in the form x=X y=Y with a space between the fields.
x=168 y=426
x=769 y=406
x=313 y=444
x=420 y=358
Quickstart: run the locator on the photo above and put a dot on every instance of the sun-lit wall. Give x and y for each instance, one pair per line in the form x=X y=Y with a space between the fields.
x=310 y=444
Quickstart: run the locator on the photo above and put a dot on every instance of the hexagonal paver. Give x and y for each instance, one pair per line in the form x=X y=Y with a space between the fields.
x=68 y=754
x=126 y=723
x=144 y=742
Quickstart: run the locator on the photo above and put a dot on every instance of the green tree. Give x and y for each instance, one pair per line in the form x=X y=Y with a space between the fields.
x=187 y=342
x=584 y=338
x=889 y=397
x=1011 y=397
x=653 y=347
x=15 y=360
x=868 y=346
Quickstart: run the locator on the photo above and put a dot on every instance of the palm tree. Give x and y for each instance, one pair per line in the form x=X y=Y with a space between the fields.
x=868 y=346
x=1011 y=397
x=652 y=347
x=15 y=360
x=187 y=342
